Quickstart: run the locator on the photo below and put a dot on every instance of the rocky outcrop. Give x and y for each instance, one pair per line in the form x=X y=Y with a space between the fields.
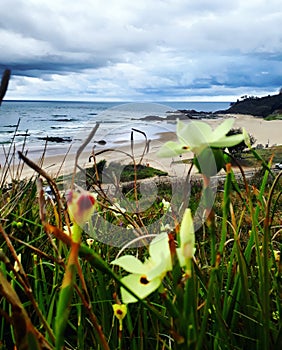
x=181 y=114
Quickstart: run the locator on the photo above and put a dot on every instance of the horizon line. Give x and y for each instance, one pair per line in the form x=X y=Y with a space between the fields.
x=114 y=101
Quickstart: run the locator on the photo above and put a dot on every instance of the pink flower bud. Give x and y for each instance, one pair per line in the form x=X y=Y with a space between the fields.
x=81 y=206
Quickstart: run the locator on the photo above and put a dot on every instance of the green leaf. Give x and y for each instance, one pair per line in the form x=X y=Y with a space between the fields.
x=63 y=309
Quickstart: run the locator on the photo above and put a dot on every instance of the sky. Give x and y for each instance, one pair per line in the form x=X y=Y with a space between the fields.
x=143 y=50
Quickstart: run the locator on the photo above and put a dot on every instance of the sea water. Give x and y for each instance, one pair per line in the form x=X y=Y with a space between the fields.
x=65 y=123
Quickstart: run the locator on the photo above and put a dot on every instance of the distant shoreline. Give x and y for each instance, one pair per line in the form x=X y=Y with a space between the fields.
x=266 y=133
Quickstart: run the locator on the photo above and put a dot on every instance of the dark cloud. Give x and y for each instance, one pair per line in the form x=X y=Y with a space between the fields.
x=48 y=65
x=141 y=50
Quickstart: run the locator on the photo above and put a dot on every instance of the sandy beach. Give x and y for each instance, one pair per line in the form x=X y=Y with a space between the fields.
x=265 y=132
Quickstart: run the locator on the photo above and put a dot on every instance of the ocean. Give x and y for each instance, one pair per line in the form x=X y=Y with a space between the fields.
x=69 y=123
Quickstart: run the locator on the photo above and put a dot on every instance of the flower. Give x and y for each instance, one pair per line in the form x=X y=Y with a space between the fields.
x=145 y=278
x=120 y=311
x=187 y=241
x=89 y=242
x=18 y=263
x=247 y=139
x=166 y=205
x=81 y=206
x=196 y=136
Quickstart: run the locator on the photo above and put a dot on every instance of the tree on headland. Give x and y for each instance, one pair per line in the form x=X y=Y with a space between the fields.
x=256 y=106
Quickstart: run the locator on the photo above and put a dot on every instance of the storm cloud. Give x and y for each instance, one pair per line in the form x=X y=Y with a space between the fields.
x=141 y=50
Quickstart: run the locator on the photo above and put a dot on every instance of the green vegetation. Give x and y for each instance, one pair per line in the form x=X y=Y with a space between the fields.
x=141 y=171
x=275 y=116
x=130 y=172
x=249 y=159
x=232 y=301
x=257 y=106
x=217 y=288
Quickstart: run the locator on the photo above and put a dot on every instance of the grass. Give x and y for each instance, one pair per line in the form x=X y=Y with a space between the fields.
x=231 y=300
x=265 y=154
x=274 y=117
x=129 y=172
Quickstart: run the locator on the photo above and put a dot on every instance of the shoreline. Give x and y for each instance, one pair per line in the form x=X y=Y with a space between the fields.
x=266 y=133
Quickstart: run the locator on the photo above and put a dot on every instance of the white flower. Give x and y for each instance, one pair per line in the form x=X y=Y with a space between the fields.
x=89 y=242
x=145 y=277
x=166 y=205
x=247 y=139
x=18 y=262
x=197 y=135
x=186 y=250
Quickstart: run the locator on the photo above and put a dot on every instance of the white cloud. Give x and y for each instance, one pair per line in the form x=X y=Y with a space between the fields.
x=146 y=49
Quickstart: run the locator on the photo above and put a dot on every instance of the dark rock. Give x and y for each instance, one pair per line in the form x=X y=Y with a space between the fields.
x=152 y=118
x=57 y=139
x=23 y=134
x=101 y=142
x=177 y=115
x=183 y=114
